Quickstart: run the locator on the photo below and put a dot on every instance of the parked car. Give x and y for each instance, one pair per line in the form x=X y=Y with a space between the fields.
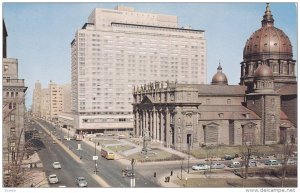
x=81 y=181
x=235 y=165
x=291 y=162
x=217 y=166
x=54 y=142
x=53 y=179
x=272 y=162
x=200 y=167
x=252 y=163
x=228 y=157
x=56 y=165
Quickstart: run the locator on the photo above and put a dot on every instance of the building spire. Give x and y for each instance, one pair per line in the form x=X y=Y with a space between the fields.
x=219 y=67
x=268 y=17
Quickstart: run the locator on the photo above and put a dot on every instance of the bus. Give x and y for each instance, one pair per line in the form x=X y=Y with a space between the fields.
x=107 y=154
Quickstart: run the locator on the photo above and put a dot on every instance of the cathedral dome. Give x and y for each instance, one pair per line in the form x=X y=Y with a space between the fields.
x=268 y=41
x=263 y=71
x=219 y=78
x=268 y=46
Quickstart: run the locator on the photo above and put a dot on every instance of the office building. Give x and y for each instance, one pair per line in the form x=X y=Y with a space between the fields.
x=118 y=49
x=48 y=102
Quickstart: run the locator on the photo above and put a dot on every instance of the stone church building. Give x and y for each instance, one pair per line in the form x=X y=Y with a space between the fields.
x=262 y=109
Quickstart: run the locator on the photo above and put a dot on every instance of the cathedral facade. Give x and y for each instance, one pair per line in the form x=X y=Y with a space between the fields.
x=262 y=109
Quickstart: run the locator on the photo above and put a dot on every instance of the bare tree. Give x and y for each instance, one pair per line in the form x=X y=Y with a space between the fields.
x=247 y=150
x=15 y=153
x=287 y=149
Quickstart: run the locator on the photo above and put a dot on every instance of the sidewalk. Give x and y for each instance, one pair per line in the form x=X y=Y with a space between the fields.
x=35 y=177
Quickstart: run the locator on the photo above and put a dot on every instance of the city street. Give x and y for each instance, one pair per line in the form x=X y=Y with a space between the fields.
x=109 y=170
x=70 y=168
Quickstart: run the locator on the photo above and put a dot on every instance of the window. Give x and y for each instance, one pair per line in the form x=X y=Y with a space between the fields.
x=246 y=115
x=12 y=118
x=12 y=131
x=228 y=101
x=221 y=115
x=5 y=68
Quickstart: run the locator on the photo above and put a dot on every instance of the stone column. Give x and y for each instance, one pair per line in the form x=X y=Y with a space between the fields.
x=144 y=121
x=151 y=124
x=168 y=128
x=135 y=126
x=154 y=124
x=161 y=126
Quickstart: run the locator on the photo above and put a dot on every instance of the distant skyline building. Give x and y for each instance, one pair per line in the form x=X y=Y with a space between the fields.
x=121 y=48
x=37 y=99
x=49 y=102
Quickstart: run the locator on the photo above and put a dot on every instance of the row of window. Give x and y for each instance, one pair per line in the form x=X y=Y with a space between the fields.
x=106 y=113
x=12 y=95
x=99 y=120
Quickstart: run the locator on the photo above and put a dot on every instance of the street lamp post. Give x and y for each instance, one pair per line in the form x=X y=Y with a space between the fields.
x=68 y=133
x=132 y=180
x=95 y=160
x=189 y=149
x=181 y=167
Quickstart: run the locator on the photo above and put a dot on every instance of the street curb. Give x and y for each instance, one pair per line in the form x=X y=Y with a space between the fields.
x=100 y=181
x=75 y=157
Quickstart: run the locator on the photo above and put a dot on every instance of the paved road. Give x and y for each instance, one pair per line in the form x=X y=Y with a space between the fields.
x=109 y=170
x=70 y=168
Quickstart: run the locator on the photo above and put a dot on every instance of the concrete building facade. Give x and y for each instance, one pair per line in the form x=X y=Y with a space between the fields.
x=120 y=48
x=13 y=108
x=261 y=110
x=37 y=100
x=49 y=102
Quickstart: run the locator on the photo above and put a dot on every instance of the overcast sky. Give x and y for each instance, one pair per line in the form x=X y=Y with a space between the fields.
x=39 y=34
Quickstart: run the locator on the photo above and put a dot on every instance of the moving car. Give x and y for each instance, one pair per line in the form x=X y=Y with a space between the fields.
x=127 y=172
x=56 y=165
x=81 y=181
x=272 y=162
x=217 y=166
x=235 y=165
x=53 y=179
x=201 y=167
x=291 y=162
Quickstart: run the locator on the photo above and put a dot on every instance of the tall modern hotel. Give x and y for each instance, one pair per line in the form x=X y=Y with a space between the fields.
x=120 y=49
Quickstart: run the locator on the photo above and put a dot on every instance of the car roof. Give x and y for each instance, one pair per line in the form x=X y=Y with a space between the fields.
x=81 y=178
x=56 y=162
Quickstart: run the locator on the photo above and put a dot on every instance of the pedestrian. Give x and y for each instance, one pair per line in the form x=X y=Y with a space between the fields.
x=171 y=173
x=154 y=174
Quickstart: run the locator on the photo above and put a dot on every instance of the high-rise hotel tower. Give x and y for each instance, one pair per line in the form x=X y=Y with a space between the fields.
x=118 y=49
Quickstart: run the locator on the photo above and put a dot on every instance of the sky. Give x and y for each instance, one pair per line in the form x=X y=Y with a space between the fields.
x=39 y=34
